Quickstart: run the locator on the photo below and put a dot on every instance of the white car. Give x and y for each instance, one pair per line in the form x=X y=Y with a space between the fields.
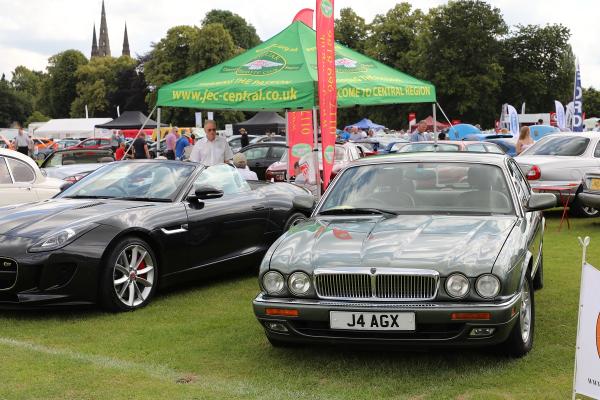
x=21 y=181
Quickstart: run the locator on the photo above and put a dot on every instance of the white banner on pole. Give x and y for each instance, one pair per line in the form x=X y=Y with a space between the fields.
x=560 y=115
x=210 y=115
x=513 y=118
x=198 y=116
x=587 y=355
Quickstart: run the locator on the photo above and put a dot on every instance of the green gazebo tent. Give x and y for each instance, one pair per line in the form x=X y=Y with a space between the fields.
x=281 y=74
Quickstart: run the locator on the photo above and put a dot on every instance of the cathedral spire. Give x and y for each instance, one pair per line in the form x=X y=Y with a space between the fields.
x=125 y=51
x=103 y=43
x=94 y=44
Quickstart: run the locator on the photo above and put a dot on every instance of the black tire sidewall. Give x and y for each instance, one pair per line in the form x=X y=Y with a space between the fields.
x=108 y=297
x=293 y=219
x=577 y=210
x=515 y=346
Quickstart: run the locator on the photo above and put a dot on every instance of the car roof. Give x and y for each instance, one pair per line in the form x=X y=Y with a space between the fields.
x=442 y=156
x=586 y=134
x=84 y=151
x=19 y=156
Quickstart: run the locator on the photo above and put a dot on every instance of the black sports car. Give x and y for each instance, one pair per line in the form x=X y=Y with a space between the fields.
x=131 y=226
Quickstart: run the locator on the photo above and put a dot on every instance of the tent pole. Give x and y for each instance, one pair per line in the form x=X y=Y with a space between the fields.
x=435 y=135
x=157 y=128
x=316 y=152
x=443 y=113
x=287 y=148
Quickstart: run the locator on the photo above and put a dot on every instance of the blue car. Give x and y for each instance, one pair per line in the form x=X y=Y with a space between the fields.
x=508 y=145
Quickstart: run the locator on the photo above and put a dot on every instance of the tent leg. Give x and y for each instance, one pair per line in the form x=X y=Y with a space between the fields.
x=142 y=128
x=287 y=147
x=435 y=135
x=316 y=151
x=157 y=128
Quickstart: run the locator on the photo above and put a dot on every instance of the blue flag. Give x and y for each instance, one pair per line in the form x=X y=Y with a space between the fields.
x=578 y=102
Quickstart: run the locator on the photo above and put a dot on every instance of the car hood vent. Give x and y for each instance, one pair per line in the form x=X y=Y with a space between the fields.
x=89 y=205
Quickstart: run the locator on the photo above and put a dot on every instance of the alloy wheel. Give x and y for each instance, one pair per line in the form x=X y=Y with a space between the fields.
x=133 y=275
x=525 y=313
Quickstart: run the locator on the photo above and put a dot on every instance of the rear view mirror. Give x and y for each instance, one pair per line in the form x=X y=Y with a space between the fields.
x=65 y=186
x=304 y=202
x=206 y=192
x=540 y=201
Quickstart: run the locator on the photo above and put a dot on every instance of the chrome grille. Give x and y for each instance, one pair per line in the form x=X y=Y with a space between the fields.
x=381 y=285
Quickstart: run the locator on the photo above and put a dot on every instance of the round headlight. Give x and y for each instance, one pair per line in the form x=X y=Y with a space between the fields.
x=273 y=282
x=299 y=283
x=457 y=285
x=487 y=286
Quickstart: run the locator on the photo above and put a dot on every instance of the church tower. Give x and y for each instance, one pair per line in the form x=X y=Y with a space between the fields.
x=103 y=43
x=94 y=44
x=125 y=51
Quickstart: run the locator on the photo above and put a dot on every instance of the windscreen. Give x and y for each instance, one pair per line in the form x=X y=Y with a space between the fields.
x=559 y=146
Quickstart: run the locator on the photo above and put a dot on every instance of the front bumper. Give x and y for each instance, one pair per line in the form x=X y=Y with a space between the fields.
x=67 y=276
x=434 y=323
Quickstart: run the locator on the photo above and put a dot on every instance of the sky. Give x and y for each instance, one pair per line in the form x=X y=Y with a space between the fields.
x=33 y=30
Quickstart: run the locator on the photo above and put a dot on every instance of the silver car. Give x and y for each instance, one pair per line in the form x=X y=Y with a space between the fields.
x=414 y=249
x=561 y=161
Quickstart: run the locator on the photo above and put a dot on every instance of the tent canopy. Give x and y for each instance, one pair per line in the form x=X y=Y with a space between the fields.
x=70 y=127
x=366 y=124
x=281 y=73
x=129 y=120
x=439 y=124
x=262 y=122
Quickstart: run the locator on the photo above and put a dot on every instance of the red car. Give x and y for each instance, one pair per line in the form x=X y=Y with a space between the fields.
x=92 y=143
x=344 y=154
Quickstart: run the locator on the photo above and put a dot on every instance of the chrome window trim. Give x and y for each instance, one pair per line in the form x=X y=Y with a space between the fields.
x=10 y=175
x=24 y=163
x=373 y=273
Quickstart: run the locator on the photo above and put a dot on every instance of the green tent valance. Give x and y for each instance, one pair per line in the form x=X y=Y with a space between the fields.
x=281 y=73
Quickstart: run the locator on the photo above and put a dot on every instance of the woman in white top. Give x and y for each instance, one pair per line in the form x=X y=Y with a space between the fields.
x=525 y=141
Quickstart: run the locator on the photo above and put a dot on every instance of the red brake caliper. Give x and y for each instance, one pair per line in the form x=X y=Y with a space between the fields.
x=142 y=266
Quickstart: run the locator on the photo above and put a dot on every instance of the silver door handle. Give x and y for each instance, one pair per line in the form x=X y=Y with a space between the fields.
x=174 y=231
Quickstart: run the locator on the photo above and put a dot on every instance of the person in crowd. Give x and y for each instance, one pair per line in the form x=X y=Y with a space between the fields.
x=120 y=152
x=192 y=139
x=241 y=164
x=22 y=141
x=442 y=135
x=212 y=149
x=115 y=140
x=345 y=135
x=244 y=140
x=357 y=134
x=597 y=127
x=540 y=122
x=525 y=141
x=371 y=133
x=171 y=141
x=140 y=147
x=419 y=134
x=180 y=147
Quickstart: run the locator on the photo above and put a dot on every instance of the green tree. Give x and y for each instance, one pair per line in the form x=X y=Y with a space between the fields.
x=243 y=34
x=351 y=29
x=98 y=83
x=461 y=56
x=538 y=66
x=591 y=102
x=14 y=106
x=28 y=82
x=213 y=45
x=36 y=116
x=59 y=90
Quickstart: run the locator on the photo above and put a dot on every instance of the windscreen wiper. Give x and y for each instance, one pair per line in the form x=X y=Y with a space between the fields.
x=82 y=196
x=133 y=198
x=343 y=211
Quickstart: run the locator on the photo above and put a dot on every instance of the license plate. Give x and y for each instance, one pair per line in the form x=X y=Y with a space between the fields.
x=372 y=321
x=595 y=184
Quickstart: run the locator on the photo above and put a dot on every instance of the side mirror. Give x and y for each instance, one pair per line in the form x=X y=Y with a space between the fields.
x=206 y=192
x=304 y=202
x=540 y=201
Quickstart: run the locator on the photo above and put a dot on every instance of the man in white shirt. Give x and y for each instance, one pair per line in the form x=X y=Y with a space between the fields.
x=22 y=142
x=241 y=164
x=212 y=149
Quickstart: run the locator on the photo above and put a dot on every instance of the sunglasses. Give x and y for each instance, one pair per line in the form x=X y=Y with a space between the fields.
x=210 y=130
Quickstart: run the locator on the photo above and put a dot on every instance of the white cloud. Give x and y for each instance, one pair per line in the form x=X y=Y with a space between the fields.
x=46 y=27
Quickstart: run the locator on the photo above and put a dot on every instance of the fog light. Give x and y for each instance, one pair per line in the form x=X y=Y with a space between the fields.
x=482 y=331
x=276 y=327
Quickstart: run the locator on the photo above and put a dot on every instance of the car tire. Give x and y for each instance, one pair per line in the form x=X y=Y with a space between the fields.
x=578 y=209
x=125 y=286
x=293 y=220
x=520 y=340
x=538 y=279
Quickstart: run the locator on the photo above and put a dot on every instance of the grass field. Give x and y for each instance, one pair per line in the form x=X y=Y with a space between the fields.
x=203 y=342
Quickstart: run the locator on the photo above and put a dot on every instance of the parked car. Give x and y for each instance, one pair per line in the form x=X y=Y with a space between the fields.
x=59 y=144
x=368 y=147
x=590 y=196
x=21 y=181
x=261 y=155
x=393 y=146
x=362 y=271
x=235 y=142
x=116 y=234
x=561 y=161
x=92 y=143
x=268 y=138
x=507 y=145
x=450 y=145
x=344 y=154
x=73 y=165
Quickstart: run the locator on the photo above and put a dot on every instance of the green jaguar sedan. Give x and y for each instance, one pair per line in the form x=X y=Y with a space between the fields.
x=423 y=249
